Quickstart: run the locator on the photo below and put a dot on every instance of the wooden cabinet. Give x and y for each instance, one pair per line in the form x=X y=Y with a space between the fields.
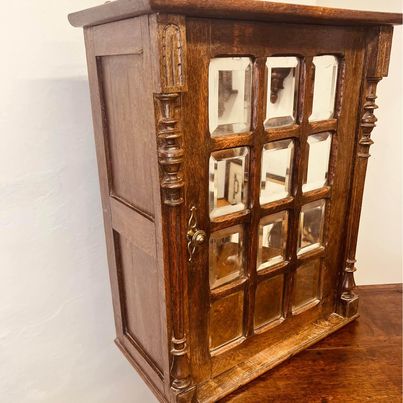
x=232 y=141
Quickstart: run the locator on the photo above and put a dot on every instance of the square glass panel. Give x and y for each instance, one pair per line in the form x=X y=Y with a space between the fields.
x=311 y=222
x=272 y=239
x=269 y=300
x=318 y=161
x=230 y=91
x=306 y=284
x=277 y=162
x=324 y=89
x=228 y=181
x=226 y=316
x=282 y=85
x=225 y=256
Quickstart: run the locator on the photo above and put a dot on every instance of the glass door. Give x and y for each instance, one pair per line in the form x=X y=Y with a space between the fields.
x=269 y=131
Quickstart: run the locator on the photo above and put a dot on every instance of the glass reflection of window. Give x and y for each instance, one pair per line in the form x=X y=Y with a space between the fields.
x=318 y=161
x=225 y=256
x=311 y=226
x=276 y=171
x=324 y=91
x=282 y=84
x=230 y=90
x=272 y=239
x=228 y=180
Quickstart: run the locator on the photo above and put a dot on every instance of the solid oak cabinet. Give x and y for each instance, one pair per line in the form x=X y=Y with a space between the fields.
x=232 y=140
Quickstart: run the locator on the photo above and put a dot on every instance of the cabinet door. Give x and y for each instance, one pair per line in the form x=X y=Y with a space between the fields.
x=269 y=126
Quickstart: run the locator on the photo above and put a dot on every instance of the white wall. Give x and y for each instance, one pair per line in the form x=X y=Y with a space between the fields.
x=379 y=251
x=56 y=319
x=56 y=327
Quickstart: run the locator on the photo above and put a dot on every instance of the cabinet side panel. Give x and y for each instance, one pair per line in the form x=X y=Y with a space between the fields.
x=129 y=148
x=121 y=84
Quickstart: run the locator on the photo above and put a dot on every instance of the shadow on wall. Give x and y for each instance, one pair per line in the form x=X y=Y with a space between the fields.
x=57 y=331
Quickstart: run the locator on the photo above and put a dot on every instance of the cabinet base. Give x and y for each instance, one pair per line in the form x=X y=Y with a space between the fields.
x=245 y=372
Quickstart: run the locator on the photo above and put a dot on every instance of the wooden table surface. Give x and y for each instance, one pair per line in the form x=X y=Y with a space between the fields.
x=360 y=363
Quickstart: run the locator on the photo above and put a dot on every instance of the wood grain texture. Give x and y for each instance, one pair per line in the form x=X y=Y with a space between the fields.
x=237 y=9
x=369 y=349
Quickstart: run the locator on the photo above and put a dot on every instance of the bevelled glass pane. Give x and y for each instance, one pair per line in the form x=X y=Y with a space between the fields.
x=228 y=181
x=324 y=90
x=226 y=315
x=225 y=256
x=230 y=89
x=311 y=224
x=282 y=85
x=318 y=161
x=269 y=300
x=306 y=284
x=277 y=161
x=272 y=239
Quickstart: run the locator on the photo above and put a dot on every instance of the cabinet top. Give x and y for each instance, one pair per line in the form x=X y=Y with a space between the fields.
x=233 y=9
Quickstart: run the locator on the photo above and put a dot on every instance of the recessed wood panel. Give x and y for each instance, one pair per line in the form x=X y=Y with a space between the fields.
x=226 y=320
x=129 y=150
x=140 y=298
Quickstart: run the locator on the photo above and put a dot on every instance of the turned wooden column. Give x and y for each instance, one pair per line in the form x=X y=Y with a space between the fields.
x=168 y=111
x=377 y=62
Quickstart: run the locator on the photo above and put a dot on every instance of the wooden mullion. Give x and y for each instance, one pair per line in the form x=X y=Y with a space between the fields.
x=283 y=133
x=228 y=289
x=277 y=206
x=300 y=165
x=259 y=91
x=231 y=141
x=230 y=220
x=311 y=255
x=313 y=195
x=322 y=126
x=279 y=268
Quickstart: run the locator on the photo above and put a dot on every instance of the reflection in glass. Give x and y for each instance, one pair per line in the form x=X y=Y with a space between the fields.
x=324 y=90
x=272 y=239
x=318 y=161
x=228 y=181
x=282 y=83
x=276 y=172
x=269 y=298
x=230 y=89
x=307 y=284
x=225 y=256
x=311 y=222
x=226 y=315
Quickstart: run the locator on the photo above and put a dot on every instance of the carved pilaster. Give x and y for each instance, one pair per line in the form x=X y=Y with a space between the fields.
x=170 y=150
x=172 y=40
x=168 y=107
x=377 y=61
x=348 y=303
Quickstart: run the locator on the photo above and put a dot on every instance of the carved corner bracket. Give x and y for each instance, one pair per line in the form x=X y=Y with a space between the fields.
x=368 y=120
x=278 y=75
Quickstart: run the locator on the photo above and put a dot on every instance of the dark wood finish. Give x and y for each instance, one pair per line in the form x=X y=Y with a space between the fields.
x=148 y=64
x=371 y=347
x=237 y=9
